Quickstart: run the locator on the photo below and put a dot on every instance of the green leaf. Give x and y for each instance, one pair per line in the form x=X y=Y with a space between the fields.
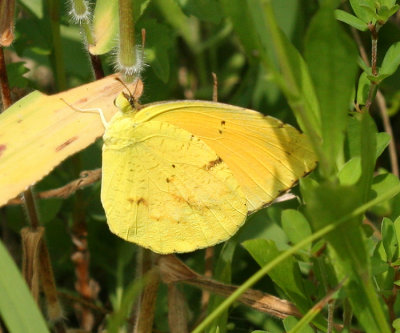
x=326 y=203
x=353 y=141
x=17 y=307
x=159 y=41
x=385 y=281
x=296 y=226
x=287 y=275
x=332 y=59
x=384 y=13
x=364 y=84
x=351 y=20
x=396 y=323
x=15 y=72
x=223 y=273
x=382 y=141
x=396 y=225
x=31 y=36
x=139 y=6
x=205 y=10
x=290 y=322
x=391 y=61
x=350 y=173
x=378 y=266
x=364 y=9
x=389 y=239
x=387 y=3
x=105 y=27
x=118 y=318
x=368 y=154
x=382 y=183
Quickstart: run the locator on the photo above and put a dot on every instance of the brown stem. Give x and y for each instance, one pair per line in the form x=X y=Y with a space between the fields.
x=331 y=311
x=205 y=296
x=4 y=87
x=54 y=310
x=147 y=301
x=96 y=66
x=374 y=48
x=31 y=239
x=84 y=302
x=177 y=310
x=84 y=285
x=380 y=99
x=215 y=87
x=30 y=207
x=371 y=92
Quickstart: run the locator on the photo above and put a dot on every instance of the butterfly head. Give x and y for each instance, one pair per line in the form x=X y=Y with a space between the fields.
x=126 y=101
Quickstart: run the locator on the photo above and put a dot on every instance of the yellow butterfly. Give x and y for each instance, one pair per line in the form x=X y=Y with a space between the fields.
x=183 y=175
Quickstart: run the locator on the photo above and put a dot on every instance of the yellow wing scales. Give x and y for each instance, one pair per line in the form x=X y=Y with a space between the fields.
x=165 y=189
x=265 y=155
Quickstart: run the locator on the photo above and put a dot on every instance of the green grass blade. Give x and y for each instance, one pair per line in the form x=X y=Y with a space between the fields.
x=17 y=307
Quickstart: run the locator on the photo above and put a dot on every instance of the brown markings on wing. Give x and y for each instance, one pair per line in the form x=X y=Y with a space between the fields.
x=212 y=164
x=66 y=143
x=222 y=126
x=139 y=201
x=170 y=179
x=2 y=148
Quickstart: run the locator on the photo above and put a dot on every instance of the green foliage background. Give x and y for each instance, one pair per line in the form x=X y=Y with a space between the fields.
x=307 y=72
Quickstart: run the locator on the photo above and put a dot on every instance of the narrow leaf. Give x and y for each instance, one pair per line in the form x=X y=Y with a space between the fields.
x=17 y=307
x=351 y=20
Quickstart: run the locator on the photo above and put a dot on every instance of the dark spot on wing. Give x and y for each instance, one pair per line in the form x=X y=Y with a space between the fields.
x=173 y=165
x=66 y=143
x=212 y=164
x=223 y=123
x=142 y=201
x=19 y=121
x=2 y=148
x=139 y=201
x=170 y=179
x=281 y=125
x=220 y=131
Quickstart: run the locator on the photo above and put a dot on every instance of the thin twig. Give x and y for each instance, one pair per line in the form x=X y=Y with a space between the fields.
x=84 y=302
x=86 y=178
x=394 y=163
x=381 y=102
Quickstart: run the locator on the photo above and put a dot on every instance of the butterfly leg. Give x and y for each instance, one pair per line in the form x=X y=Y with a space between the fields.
x=100 y=112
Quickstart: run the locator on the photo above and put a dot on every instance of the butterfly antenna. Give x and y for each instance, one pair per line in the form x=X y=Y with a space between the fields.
x=125 y=86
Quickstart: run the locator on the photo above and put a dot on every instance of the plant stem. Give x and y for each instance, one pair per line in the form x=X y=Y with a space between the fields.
x=57 y=55
x=4 y=87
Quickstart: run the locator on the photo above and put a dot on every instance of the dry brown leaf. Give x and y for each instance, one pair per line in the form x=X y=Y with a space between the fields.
x=39 y=131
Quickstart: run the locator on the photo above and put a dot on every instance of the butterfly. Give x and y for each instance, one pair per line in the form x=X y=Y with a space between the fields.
x=184 y=175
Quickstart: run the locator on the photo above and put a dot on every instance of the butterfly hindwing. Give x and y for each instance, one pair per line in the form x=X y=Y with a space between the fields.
x=165 y=189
